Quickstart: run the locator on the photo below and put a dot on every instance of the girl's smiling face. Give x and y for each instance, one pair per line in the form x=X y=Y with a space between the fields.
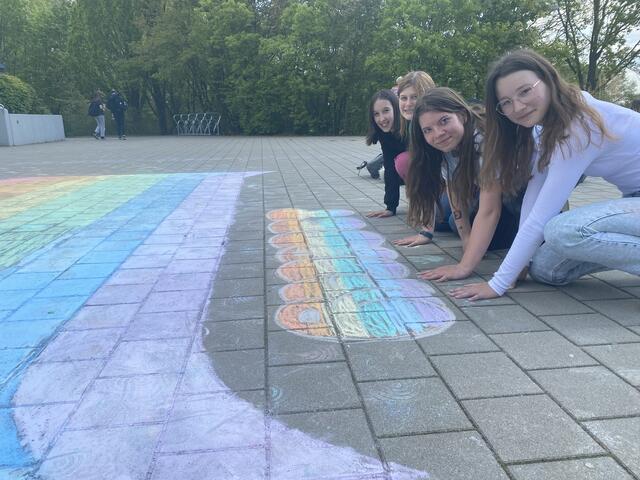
x=383 y=115
x=408 y=98
x=442 y=130
x=523 y=98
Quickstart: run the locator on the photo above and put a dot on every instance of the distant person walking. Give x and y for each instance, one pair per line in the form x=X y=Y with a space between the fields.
x=118 y=105
x=96 y=110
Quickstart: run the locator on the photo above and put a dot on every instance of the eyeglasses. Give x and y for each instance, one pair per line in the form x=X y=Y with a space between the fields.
x=505 y=107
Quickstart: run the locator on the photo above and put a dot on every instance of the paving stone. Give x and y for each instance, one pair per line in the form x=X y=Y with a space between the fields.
x=56 y=382
x=305 y=388
x=240 y=270
x=529 y=428
x=338 y=428
x=233 y=335
x=135 y=276
x=240 y=369
x=288 y=348
x=542 y=350
x=590 y=329
x=625 y=312
x=383 y=360
x=81 y=345
x=241 y=287
x=504 y=319
x=117 y=294
x=635 y=291
x=192 y=266
x=26 y=334
x=38 y=425
x=246 y=463
x=147 y=356
x=200 y=376
x=125 y=401
x=444 y=456
x=623 y=359
x=411 y=406
x=592 y=289
x=124 y=452
x=483 y=375
x=622 y=437
x=213 y=421
x=103 y=316
x=174 y=301
x=183 y=281
x=461 y=337
x=549 y=303
x=599 y=468
x=618 y=279
x=590 y=392
x=235 y=308
x=149 y=326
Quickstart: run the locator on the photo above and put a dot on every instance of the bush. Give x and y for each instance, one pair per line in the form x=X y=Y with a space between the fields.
x=18 y=96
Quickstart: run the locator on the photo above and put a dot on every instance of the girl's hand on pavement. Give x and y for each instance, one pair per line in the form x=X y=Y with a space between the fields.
x=380 y=214
x=474 y=291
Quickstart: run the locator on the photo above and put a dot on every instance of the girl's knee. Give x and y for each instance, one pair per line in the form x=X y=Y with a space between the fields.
x=561 y=233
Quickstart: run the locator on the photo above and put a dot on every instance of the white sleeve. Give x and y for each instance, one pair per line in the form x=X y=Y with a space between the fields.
x=546 y=194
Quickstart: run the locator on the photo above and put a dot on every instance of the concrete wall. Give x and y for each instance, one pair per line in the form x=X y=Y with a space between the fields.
x=21 y=129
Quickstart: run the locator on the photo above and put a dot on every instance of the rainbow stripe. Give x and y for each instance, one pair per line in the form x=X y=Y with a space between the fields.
x=343 y=283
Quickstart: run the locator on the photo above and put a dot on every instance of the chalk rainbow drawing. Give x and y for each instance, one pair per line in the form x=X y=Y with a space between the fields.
x=342 y=281
x=61 y=240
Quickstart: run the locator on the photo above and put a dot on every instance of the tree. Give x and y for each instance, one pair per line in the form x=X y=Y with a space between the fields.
x=594 y=33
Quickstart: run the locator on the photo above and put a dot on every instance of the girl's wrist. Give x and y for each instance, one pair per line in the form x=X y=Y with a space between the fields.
x=426 y=234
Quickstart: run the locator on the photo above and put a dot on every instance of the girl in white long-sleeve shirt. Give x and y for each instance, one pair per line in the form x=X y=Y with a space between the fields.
x=579 y=135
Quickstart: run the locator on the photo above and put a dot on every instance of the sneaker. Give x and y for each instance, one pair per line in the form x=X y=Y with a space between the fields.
x=101 y=138
x=123 y=137
x=96 y=136
x=374 y=166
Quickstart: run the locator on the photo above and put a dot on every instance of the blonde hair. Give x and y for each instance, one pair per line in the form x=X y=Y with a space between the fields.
x=421 y=83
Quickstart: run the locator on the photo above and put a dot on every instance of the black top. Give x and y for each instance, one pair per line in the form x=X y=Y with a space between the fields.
x=392 y=146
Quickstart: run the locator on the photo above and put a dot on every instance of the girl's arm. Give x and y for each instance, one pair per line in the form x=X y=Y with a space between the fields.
x=460 y=217
x=478 y=241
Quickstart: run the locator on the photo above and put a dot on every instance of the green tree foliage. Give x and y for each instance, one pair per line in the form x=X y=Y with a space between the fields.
x=18 y=96
x=272 y=66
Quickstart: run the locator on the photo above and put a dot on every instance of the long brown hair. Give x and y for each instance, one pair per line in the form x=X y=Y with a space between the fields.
x=373 y=135
x=425 y=184
x=421 y=82
x=508 y=147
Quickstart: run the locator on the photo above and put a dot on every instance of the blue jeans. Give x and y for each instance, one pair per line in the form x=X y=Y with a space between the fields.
x=601 y=236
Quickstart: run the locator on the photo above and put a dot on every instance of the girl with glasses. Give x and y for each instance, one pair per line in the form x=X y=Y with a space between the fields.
x=446 y=156
x=578 y=134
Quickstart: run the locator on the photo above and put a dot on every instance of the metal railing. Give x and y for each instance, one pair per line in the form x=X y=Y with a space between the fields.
x=206 y=123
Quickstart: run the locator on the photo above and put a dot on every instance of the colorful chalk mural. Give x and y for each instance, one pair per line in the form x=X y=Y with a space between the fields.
x=342 y=281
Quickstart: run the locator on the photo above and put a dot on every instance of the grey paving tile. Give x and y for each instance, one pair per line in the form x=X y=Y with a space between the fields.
x=56 y=382
x=329 y=433
x=542 y=350
x=483 y=375
x=213 y=421
x=624 y=359
x=590 y=392
x=304 y=388
x=444 y=456
x=619 y=279
x=135 y=276
x=39 y=425
x=625 y=312
x=102 y=316
x=529 y=428
x=599 y=468
x=235 y=308
x=622 y=437
x=81 y=345
x=124 y=452
x=117 y=294
x=240 y=270
x=149 y=326
x=200 y=376
x=174 y=301
x=233 y=335
x=504 y=319
x=635 y=291
x=241 y=287
x=125 y=401
x=549 y=303
x=383 y=360
x=240 y=369
x=244 y=463
x=592 y=289
x=183 y=281
x=411 y=406
x=147 y=356
x=461 y=337
x=590 y=329
x=286 y=347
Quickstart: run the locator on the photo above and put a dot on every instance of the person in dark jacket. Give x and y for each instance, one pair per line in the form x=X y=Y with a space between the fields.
x=96 y=110
x=117 y=104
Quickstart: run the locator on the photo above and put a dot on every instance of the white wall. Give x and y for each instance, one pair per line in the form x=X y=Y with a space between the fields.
x=20 y=129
